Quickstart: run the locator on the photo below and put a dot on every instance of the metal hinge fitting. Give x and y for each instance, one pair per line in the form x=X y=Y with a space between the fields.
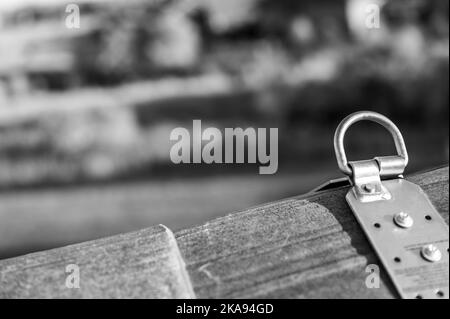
x=408 y=234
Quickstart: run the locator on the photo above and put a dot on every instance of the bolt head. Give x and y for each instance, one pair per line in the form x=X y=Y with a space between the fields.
x=431 y=253
x=403 y=220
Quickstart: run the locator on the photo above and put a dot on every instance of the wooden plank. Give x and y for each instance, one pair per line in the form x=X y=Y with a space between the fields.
x=304 y=247
x=144 y=264
x=35 y=220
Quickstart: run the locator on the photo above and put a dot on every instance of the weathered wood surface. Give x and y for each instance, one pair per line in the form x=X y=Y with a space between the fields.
x=144 y=264
x=305 y=247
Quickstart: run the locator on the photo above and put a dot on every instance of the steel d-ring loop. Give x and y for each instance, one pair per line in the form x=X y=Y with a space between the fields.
x=366 y=116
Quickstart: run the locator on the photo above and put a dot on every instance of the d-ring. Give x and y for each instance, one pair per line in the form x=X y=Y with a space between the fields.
x=367 y=116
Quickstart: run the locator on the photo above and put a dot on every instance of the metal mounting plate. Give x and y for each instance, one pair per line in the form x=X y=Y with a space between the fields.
x=399 y=249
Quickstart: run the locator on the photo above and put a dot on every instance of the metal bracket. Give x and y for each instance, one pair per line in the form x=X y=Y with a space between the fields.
x=408 y=234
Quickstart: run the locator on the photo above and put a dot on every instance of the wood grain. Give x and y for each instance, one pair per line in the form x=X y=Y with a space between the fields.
x=144 y=264
x=304 y=247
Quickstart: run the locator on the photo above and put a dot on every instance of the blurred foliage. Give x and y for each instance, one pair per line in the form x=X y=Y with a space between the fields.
x=297 y=65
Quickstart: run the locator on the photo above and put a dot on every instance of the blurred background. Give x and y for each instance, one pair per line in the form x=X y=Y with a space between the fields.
x=86 y=113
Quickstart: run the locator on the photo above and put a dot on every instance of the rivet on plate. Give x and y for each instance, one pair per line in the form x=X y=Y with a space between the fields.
x=403 y=220
x=431 y=253
x=370 y=188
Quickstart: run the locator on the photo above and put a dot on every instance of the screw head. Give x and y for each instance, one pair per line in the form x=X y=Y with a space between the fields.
x=370 y=188
x=403 y=220
x=431 y=253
